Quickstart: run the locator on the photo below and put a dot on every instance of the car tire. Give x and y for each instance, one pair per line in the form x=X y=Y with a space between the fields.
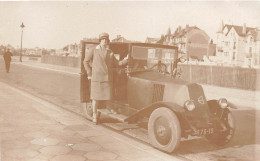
x=222 y=138
x=164 y=129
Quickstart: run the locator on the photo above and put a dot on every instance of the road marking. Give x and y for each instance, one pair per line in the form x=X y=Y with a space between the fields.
x=46 y=68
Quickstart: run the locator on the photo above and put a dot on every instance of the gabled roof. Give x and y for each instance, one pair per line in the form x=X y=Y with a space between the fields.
x=150 y=40
x=239 y=29
x=120 y=39
x=255 y=34
x=183 y=31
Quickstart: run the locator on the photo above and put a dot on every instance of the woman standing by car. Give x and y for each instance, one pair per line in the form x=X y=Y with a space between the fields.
x=99 y=63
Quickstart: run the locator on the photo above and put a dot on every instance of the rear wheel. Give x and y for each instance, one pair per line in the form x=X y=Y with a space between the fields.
x=224 y=136
x=164 y=129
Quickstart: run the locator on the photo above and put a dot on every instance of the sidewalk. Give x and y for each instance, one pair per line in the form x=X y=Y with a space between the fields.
x=244 y=98
x=34 y=130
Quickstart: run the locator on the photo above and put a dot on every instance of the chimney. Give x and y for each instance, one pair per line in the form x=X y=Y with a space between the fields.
x=169 y=32
x=179 y=29
x=221 y=26
x=244 y=29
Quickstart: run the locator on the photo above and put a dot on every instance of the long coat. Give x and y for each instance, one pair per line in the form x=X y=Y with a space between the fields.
x=7 y=56
x=99 y=64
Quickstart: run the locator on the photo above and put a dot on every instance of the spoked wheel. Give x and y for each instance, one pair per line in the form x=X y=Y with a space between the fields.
x=223 y=137
x=88 y=111
x=164 y=129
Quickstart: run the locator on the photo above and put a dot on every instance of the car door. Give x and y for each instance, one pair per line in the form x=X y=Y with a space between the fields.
x=84 y=82
x=120 y=50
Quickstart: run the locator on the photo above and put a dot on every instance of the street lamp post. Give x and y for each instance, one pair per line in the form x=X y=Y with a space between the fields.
x=22 y=26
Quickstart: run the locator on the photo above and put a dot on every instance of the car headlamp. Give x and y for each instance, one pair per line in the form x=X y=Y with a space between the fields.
x=223 y=103
x=189 y=105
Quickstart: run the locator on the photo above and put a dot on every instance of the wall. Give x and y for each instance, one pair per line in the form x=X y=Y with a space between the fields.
x=61 y=60
x=232 y=77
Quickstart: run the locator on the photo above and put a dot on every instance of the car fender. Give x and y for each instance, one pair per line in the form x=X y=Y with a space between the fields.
x=146 y=111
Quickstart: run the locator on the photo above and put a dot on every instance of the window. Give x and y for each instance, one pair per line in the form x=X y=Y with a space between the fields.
x=148 y=56
x=234 y=53
x=251 y=40
x=234 y=46
x=225 y=53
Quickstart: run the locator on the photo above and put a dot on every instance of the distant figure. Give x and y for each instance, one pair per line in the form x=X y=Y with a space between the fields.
x=7 y=58
x=99 y=63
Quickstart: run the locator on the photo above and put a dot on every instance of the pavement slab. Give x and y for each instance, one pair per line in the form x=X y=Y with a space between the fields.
x=86 y=147
x=68 y=158
x=45 y=141
x=102 y=139
x=55 y=150
x=44 y=157
x=79 y=127
x=6 y=129
x=71 y=140
x=21 y=153
x=15 y=144
x=11 y=136
x=37 y=134
x=100 y=155
x=65 y=133
x=91 y=132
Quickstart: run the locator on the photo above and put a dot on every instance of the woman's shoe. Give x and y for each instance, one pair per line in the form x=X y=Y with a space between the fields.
x=94 y=120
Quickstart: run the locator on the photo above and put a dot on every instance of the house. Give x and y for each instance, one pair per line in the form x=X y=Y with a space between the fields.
x=192 y=42
x=33 y=51
x=238 y=45
x=119 y=38
x=152 y=40
x=252 y=48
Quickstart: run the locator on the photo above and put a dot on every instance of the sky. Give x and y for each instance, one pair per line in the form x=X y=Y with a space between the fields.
x=56 y=24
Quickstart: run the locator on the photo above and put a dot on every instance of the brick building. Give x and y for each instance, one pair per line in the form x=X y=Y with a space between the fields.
x=193 y=43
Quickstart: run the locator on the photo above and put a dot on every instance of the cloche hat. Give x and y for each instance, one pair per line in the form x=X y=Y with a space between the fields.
x=103 y=35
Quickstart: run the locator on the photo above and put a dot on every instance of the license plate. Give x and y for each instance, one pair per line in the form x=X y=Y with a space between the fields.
x=205 y=131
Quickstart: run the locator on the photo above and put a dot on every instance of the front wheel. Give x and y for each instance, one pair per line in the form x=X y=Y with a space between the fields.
x=164 y=129
x=223 y=137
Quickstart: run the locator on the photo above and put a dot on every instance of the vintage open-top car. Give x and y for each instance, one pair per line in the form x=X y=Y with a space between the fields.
x=147 y=87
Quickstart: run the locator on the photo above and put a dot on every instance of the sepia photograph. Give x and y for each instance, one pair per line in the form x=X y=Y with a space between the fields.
x=129 y=80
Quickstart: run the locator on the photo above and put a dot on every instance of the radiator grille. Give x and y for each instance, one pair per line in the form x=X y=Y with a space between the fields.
x=158 y=91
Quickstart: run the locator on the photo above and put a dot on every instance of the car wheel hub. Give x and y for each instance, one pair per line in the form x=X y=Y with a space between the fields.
x=162 y=131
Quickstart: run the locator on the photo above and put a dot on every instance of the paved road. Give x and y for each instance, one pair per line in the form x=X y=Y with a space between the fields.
x=62 y=88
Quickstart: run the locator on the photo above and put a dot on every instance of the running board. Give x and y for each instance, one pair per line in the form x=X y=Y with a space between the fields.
x=118 y=117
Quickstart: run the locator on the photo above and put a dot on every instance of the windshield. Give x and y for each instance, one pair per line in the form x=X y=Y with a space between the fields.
x=147 y=57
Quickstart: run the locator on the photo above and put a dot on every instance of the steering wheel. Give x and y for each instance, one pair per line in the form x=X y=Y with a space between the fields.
x=161 y=67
